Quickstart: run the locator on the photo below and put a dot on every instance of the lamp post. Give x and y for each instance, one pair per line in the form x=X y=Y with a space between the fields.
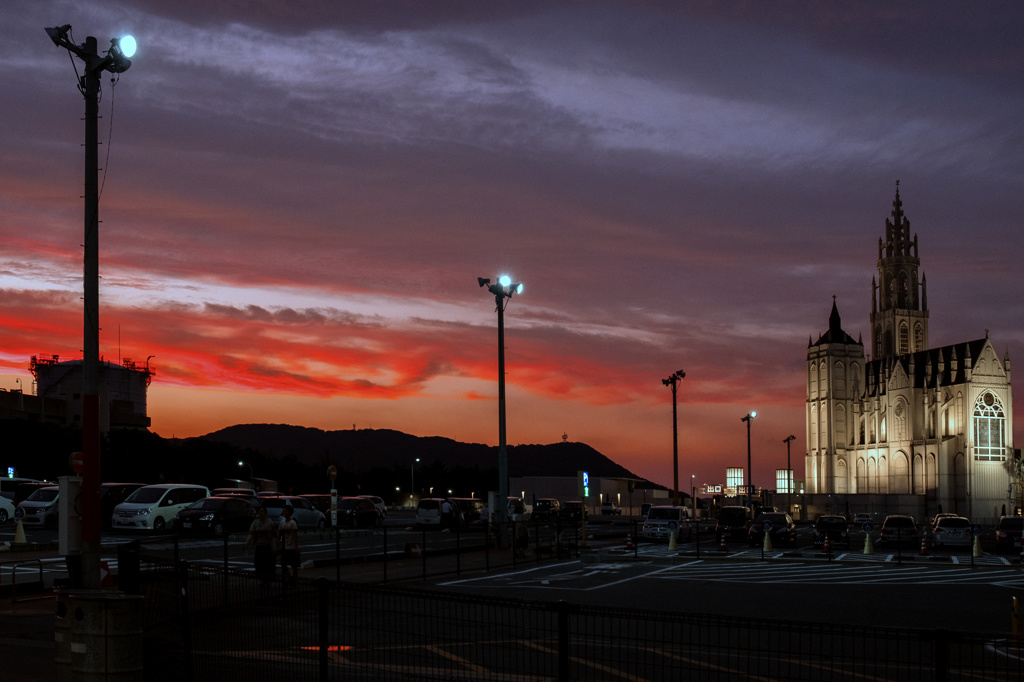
x=412 y=477
x=673 y=381
x=750 y=479
x=115 y=60
x=252 y=477
x=502 y=290
x=789 y=475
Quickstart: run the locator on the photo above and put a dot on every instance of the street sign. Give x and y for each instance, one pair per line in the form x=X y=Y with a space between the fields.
x=977 y=530
x=77 y=462
x=868 y=526
x=332 y=472
x=766 y=524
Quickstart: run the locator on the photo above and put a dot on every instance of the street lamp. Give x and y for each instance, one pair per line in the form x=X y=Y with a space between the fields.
x=252 y=477
x=115 y=60
x=750 y=479
x=673 y=381
x=502 y=290
x=412 y=477
x=789 y=475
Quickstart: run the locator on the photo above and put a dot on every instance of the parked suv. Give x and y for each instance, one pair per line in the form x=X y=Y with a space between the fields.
x=899 y=529
x=546 y=509
x=732 y=523
x=952 y=531
x=1008 y=532
x=834 y=528
x=665 y=520
x=153 y=507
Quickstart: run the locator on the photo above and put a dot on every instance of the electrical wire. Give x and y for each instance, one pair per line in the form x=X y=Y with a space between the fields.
x=110 y=133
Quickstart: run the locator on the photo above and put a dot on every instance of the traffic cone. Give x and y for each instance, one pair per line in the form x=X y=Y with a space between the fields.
x=671 y=540
x=629 y=542
x=869 y=546
x=924 y=546
x=767 y=542
x=827 y=549
x=19 y=534
x=977 y=546
x=722 y=547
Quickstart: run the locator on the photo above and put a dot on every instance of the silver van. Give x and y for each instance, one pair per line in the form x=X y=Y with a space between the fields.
x=40 y=508
x=665 y=520
x=153 y=507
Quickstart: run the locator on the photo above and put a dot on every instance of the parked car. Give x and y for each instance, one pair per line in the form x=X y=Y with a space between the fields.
x=644 y=509
x=938 y=517
x=358 y=512
x=25 y=489
x=952 y=531
x=321 y=502
x=218 y=514
x=546 y=509
x=860 y=518
x=40 y=508
x=378 y=503
x=111 y=495
x=610 y=509
x=572 y=512
x=428 y=512
x=663 y=521
x=898 y=529
x=833 y=527
x=247 y=493
x=468 y=510
x=153 y=507
x=6 y=510
x=1008 y=533
x=782 y=532
x=732 y=523
x=303 y=512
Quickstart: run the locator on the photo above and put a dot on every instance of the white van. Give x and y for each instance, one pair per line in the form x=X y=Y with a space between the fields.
x=664 y=520
x=153 y=507
x=40 y=508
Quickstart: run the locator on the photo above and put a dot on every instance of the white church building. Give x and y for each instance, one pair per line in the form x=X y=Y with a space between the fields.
x=908 y=428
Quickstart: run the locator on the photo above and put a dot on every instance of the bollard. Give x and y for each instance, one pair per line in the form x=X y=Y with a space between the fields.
x=672 y=540
x=19 y=534
x=924 y=545
x=106 y=635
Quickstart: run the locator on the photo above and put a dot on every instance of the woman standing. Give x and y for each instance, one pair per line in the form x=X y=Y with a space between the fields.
x=263 y=540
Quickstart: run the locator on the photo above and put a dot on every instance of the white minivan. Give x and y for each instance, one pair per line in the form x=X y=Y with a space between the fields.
x=153 y=507
x=665 y=520
x=40 y=508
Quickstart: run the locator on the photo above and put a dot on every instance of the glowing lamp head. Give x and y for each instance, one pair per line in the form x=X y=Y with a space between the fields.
x=127 y=45
x=504 y=280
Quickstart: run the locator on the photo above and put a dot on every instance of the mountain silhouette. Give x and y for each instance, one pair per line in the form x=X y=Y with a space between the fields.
x=363 y=449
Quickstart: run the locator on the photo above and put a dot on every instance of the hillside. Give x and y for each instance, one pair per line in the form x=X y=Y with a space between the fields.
x=364 y=449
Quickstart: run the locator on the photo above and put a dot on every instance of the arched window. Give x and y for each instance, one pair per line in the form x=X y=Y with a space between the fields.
x=989 y=428
x=861 y=484
x=918 y=475
x=918 y=337
x=840 y=424
x=883 y=475
x=931 y=471
x=900 y=475
x=903 y=294
x=872 y=476
x=904 y=338
x=959 y=479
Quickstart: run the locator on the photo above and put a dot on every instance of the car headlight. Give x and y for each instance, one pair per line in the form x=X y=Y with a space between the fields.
x=206 y=517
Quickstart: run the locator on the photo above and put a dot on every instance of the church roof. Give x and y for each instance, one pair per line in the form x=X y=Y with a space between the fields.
x=835 y=333
x=932 y=367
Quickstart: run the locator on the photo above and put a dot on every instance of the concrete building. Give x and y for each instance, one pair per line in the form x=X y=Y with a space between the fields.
x=909 y=428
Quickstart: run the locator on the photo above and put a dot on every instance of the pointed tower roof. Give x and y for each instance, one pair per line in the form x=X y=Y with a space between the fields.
x=835 y=333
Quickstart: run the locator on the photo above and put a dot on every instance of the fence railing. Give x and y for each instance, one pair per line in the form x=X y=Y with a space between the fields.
x=205 y=623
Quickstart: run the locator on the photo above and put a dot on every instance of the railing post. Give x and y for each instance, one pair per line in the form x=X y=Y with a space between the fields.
x=226 y=563
x=458 y=550
x=562 y=607
x=337 y=553
x=186 y=616
x=487 y=545
x=423 y=544
x=385 y=562
x=323 y=614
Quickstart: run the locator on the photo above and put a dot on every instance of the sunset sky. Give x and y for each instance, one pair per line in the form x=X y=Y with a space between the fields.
x=298 y=198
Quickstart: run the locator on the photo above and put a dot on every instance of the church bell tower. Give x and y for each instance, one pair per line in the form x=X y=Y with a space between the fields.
x=899 y=301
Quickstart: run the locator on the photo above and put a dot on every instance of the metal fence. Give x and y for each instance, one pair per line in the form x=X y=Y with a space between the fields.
x=204 y=623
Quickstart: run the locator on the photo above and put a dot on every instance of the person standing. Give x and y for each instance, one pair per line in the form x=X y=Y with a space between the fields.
x=289 y=533
x=263 y=539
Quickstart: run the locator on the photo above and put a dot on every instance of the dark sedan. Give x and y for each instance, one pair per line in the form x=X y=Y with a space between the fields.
x=835 y=528
x=218 y=515
x=358 y=512
x=782 y=531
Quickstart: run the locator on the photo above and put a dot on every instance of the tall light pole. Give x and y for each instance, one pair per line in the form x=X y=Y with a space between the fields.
x=789 y=475
x=412 y=479
x=115 y=60
x=502 y=290
x=750 y=480
x=673 y=381
x=252 y=476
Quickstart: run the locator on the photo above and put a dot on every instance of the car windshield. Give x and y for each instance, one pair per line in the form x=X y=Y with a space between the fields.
x=732 y=516
x=776 y=519
x=146 y=495
x=830 y=522
x=210 y=503
x=662 y=513
x=1012 y=523
x=430 y=505
x=899 y=522
x=348 y=504
x=954 y=523
x=44 y=495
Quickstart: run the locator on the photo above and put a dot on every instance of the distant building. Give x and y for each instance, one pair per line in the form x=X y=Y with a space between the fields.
x=909 y=428
x=58 y=395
